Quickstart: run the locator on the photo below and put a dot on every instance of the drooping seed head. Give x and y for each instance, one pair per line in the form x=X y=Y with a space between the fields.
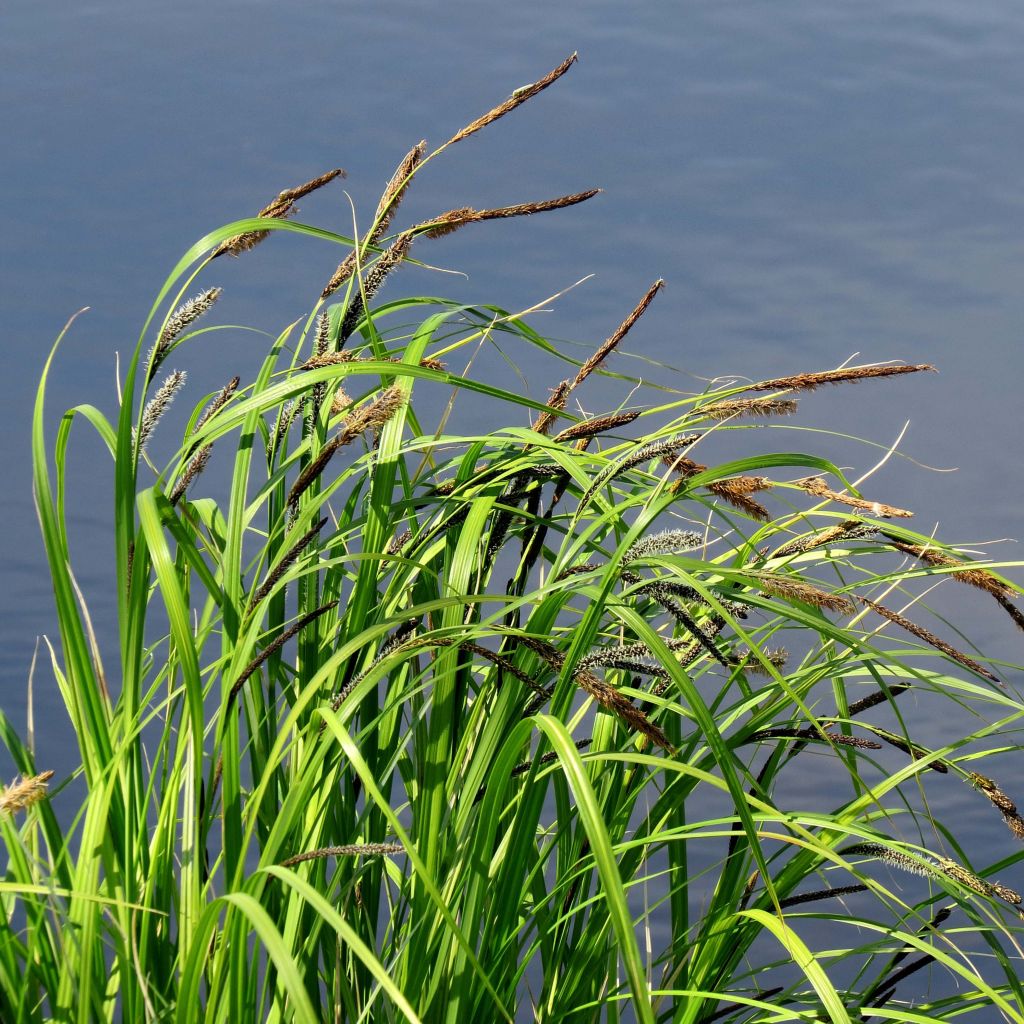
x=178 y=322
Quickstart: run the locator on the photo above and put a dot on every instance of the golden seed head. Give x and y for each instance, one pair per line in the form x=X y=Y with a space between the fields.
x=24 y=792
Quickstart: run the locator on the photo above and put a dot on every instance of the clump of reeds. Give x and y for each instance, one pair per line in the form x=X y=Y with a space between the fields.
x=421 y=640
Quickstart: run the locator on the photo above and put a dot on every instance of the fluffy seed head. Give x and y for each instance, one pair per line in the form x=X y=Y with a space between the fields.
x=158 y=405
x=24 y=792
x=664 y=543
x=180 y=320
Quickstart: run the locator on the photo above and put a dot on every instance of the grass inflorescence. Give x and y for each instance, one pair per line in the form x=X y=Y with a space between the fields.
x=428 y=725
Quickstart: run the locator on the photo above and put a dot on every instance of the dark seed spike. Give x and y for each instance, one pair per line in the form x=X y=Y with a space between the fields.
x=276 y=645
x=287 y=560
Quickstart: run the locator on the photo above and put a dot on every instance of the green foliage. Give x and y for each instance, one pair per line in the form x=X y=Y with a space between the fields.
x=421 y=725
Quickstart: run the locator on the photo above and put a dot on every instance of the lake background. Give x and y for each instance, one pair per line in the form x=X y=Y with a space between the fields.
x=812 y=179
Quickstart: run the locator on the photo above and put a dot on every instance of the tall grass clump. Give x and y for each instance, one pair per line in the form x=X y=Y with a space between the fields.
x=421 y=724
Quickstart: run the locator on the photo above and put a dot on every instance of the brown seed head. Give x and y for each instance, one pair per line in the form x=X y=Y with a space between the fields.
x=816 y=485
x=279 y=208
x=597 y=425
x=980 y=578
x=810 y=381
x=517 y=98
x=727 y=408
x=931 y=639
x=796 y=590
x=395 y=189
x=446 y=223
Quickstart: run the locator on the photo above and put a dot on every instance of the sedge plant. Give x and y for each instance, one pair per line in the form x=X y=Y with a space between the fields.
x=414 y=724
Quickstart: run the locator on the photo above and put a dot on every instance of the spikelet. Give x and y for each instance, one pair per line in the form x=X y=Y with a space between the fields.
x=193 y=468
x=843 y=740
x=876 y=698
x=561 y=393
x=398 y=542
x=197 y=463
x=665 y=597
x=980 y=578
x=403 y=636
x=279 y=208
x=604 y=656
x=284 y=422
x=797 y=590
x=24 y=792
x=611 y=700
x=737 y=490
x=666 y=542
x=898 y=859
x=669 y=446
x=967 y=878
x=849 y=529
x=346 y=268
x=319 y=360
x=729 y=408
x=348 y=850
x=709 y=630
x=341 y=401
x=1011 y=609
x=597 y=425
x=916 y=752
x=445 y=223
x=276 y=645
x=820 y=894
x=1000 y=801
x=287 y=560
x=930 y=638
x=374 y=278
x=375 y=415
x=776 y=658
x=609 y=346
x=816 y=486
x=217 y=403
x=810 y=381
x=517 y=98
x=157 y=406
x=178 y=322
x=556 y=403
x=395 y=189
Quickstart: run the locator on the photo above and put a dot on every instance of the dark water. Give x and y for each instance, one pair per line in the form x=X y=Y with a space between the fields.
x=813 y=179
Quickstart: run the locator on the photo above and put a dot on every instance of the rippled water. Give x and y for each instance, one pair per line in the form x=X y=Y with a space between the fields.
x=813 y=179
